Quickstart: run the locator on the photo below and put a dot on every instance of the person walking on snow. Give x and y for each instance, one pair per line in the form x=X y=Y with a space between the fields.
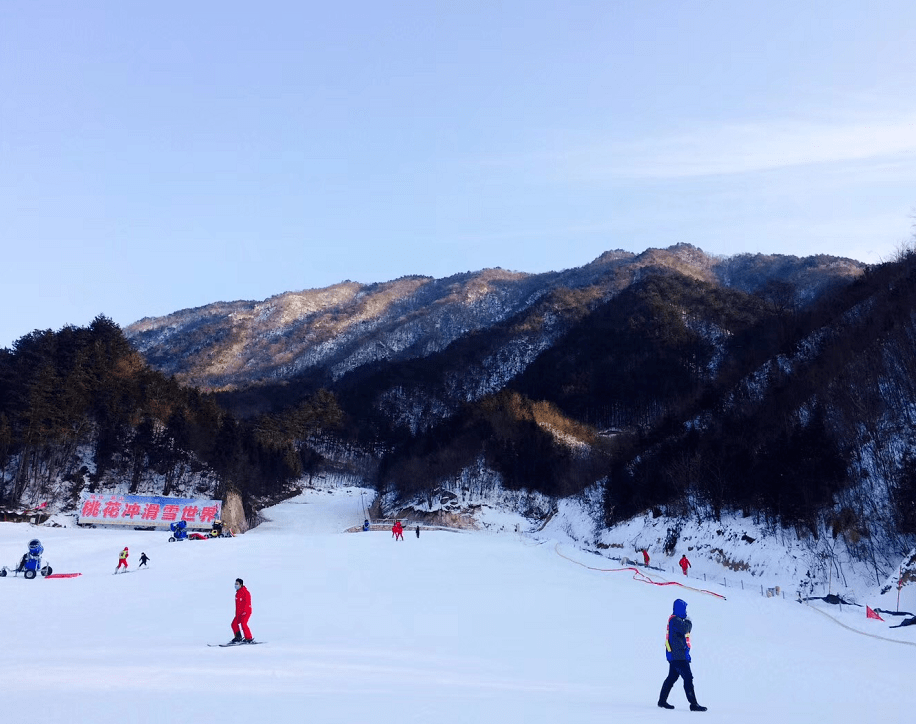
x=645 y=556
x=677 y=651
x=418 y=531
x=122 y=560
x=398 y=530
x=684 y=563
x=242 y=613
x=143 y=560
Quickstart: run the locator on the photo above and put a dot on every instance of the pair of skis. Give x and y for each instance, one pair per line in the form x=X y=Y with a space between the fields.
x=238 y=643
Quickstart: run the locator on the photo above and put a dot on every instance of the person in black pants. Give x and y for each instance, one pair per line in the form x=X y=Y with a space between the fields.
x=677 y=651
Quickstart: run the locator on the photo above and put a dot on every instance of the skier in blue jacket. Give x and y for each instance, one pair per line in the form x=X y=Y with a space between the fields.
x=677 y=651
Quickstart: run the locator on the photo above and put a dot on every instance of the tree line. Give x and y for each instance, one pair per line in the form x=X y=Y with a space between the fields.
x=79 y=408
x=676 y=395
x=659 y=383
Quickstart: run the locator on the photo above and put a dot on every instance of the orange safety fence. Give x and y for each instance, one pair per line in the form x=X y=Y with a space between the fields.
x=638 y=575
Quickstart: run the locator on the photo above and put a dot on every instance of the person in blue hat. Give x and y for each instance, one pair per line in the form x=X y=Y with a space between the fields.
x=677 y=651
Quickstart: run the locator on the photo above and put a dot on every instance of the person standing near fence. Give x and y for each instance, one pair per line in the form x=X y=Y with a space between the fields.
x=684 y=563
x=645 y=556
x=677 y=651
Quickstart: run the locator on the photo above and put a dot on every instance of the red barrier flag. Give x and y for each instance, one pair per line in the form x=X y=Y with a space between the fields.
x=869 y=613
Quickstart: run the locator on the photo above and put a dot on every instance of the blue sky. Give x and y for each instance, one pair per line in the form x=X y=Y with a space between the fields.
x=159 y=156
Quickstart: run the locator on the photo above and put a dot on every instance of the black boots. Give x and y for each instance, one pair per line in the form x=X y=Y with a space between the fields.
x=693 y=707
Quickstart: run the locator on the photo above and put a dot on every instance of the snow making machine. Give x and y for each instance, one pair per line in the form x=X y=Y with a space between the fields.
x=180 y=532
x=219 y=530
x=30 y=563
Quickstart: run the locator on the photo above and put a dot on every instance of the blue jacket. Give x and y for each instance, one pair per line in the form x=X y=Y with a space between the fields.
x=677 y=634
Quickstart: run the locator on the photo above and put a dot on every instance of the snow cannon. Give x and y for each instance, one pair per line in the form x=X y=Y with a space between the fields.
x=179 y=531
x=30 y=565
x=33 y=563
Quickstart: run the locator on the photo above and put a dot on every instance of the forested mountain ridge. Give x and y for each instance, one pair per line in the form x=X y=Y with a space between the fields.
x=689 y=400
x=333 y=331
x=669 y=387
x=670 y=381
x=81 y=411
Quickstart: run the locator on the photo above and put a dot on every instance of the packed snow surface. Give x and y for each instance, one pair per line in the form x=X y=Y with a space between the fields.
x=447 y=627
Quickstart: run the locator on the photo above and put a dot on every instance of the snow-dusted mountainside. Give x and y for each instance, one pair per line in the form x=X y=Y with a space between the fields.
x=655 y=381
x=333 y=331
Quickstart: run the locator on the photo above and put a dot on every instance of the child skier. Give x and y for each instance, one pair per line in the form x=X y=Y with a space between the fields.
x=122 y=560
x=143 y=560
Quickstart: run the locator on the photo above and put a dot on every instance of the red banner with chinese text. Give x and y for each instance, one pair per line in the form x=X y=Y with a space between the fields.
x=147 y=511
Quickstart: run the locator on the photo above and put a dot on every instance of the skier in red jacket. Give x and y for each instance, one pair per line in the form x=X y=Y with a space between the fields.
x=242 y=613
x=398 y=530
x=645 y=555
x=684 y=563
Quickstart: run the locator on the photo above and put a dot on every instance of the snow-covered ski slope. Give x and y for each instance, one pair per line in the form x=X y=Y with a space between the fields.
x=453 y=627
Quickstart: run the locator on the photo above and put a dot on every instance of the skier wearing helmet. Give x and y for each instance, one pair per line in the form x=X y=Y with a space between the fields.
x=122 y=560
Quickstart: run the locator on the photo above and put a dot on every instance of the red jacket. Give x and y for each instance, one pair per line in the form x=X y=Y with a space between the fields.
x=242 y=602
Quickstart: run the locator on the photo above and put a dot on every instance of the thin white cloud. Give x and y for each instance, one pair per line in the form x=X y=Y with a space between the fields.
x=744 y=148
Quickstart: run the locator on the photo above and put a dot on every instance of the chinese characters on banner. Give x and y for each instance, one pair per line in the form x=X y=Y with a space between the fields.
x=141 y=510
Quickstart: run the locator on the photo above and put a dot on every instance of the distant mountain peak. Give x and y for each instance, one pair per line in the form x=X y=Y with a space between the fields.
x=345 y=326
